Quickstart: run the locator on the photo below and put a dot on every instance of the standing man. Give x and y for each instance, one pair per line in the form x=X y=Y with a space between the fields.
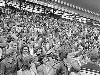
x=62 y=69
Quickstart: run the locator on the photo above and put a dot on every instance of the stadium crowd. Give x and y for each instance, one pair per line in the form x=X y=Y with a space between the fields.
x=45 y=45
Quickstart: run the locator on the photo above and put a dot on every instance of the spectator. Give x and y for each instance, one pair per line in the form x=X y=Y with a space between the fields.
x=26 y=62
x=6 y=67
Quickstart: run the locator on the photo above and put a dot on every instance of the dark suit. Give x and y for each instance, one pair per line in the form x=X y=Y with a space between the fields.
x=62 y=69
x=8 y=66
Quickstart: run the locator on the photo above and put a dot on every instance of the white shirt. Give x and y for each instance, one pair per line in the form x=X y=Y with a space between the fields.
x=31 y=51
x=0 y=53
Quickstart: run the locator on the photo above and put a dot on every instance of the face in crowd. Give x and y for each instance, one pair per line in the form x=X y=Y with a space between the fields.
x=25 y=50
x=45 y=60
x=39 y=51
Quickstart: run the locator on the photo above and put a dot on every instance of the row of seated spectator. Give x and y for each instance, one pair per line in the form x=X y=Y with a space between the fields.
x=44 y=35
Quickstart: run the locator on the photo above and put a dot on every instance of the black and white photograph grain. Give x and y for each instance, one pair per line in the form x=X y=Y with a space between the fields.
x=49 y=37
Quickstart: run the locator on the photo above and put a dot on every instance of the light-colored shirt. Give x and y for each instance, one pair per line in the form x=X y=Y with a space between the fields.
x=0 y=53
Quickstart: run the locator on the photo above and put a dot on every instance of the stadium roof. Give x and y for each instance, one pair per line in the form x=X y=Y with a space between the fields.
x=92 y=5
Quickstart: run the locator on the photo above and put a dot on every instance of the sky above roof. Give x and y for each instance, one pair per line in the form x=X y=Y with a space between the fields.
x=92 y=5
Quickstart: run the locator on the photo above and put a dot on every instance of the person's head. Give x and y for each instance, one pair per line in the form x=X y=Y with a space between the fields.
x=25 y=49
x=45 y=59
x=31 y=43
x=39 y=51
x=80 y=48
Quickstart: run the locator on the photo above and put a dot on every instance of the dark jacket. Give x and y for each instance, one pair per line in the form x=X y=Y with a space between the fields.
x=62 y=69
x=8 y=66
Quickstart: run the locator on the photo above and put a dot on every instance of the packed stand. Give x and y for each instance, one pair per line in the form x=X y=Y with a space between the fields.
x=51 y=46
